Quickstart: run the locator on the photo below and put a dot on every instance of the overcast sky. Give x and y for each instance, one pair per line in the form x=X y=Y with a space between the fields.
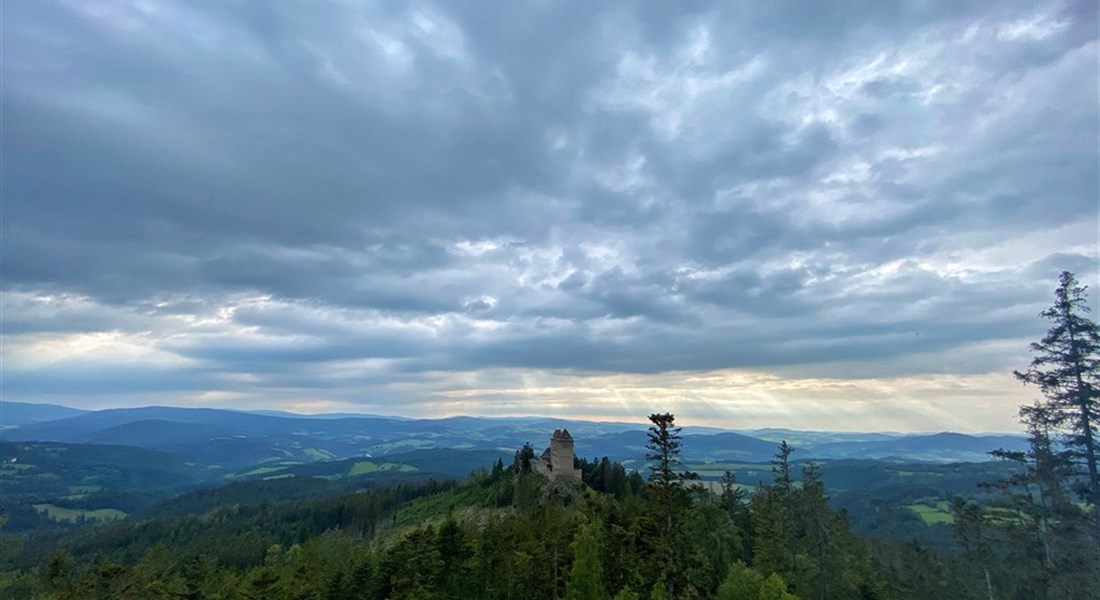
x=818 y=215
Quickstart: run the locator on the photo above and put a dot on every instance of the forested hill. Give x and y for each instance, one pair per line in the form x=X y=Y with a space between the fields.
x=509 y=533
x=501 y=534
x=234 y=439
x=200 y=504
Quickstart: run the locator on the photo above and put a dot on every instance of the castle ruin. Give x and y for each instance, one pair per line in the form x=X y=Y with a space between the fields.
x=556 y=461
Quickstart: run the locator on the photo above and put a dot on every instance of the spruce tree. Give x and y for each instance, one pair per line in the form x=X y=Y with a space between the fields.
x=670 y=500
x=732 y=494
x=663 y=450
x=781 y=466
x=1066 y=367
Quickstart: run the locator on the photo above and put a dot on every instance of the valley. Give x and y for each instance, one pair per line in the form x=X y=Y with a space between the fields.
x=95 y=467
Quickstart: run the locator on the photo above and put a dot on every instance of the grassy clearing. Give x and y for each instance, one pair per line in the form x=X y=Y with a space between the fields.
x=362 y=467
x=261 y=471
x=71 y=515
x=365 y=466
x=932 y=514
x=315 y=454
x=397 y=467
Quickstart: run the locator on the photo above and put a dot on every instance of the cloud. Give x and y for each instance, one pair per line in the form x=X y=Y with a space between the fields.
x=322 y=206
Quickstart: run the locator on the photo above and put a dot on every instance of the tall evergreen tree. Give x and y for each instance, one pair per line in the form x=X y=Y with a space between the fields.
x=663 y=450
x=454 y=554
x=781 y=466
x=670 y=499
x=771 y=531
x=1066 y=368
x=732 y=495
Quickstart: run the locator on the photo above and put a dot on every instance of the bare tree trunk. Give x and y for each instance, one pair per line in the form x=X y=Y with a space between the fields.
x=1090 y=443
x=1090 y=457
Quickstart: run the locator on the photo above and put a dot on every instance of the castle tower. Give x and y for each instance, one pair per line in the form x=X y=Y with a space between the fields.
x=561 y=456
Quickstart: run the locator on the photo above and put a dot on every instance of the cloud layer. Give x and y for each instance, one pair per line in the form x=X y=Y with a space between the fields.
x=431 y=209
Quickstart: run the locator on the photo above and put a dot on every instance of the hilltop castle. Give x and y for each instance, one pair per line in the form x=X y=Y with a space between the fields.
x=556 y=461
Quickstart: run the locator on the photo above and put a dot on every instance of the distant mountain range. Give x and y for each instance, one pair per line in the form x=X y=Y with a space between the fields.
x=13 y=414
x=236 y=439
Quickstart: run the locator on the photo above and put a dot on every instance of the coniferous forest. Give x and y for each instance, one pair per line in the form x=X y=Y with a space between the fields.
x=509 y=532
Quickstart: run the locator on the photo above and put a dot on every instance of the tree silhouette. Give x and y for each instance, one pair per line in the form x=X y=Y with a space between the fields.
x=663 y=450
x=1066 y=367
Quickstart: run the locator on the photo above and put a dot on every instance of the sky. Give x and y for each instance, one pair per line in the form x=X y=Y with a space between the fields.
x=819 y=215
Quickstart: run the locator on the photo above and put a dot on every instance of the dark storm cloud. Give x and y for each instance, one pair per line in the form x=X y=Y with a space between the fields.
x=270 y=196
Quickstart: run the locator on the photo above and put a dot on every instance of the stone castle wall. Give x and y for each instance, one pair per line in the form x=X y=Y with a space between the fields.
x=561 y=456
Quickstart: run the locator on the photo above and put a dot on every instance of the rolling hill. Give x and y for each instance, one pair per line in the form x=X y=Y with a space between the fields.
x=235 y=439
x=14 y=414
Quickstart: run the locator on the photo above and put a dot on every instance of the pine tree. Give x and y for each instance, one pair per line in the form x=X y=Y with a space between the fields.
x=361 y=578
x=454 y=553
x=781 y=466
x=669 y=502
x=816 y=537
x=771 y=531
x=732 y=494
x=1067 y=370
x=663 y=450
